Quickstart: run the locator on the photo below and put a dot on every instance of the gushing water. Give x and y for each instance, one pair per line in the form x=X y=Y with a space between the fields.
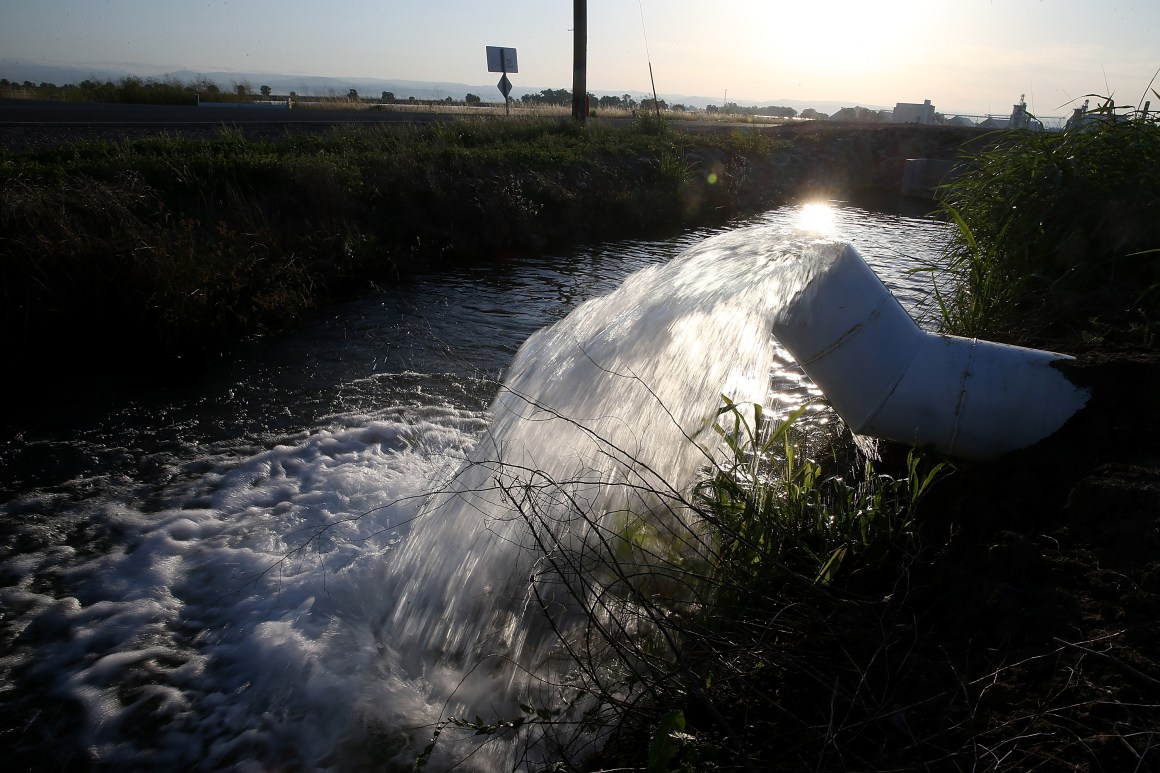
x=333 y=600
x=607 y=412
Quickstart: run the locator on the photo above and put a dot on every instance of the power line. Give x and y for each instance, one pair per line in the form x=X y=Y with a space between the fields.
x=648 y=57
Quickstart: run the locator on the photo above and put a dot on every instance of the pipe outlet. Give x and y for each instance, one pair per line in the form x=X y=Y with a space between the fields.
x=888 y=378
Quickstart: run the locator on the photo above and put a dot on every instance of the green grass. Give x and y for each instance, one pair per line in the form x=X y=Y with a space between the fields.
x=774 y=510
x=1057 y=235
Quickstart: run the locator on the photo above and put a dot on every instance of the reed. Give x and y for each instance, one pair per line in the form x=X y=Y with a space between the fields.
x=773 y=509
x=1057 y=235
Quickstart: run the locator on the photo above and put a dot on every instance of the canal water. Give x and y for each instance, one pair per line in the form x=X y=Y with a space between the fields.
x=303 y=560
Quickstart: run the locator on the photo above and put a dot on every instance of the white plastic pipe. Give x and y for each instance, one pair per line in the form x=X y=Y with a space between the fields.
x=888 y=378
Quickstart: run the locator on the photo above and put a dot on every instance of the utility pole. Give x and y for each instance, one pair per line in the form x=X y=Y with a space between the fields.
x=580 y=60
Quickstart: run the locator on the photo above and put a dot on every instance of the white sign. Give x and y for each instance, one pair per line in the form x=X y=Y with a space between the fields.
x=501 y=59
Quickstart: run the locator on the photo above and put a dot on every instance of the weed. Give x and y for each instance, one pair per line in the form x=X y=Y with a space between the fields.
x=775 y=511
x=1056 y=230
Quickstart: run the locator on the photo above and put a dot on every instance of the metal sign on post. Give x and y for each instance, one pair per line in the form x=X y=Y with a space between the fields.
x=500 y=59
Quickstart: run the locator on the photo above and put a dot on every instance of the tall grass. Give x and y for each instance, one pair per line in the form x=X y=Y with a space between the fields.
x=775 y=510
x=704 y=608
x=1057 y=234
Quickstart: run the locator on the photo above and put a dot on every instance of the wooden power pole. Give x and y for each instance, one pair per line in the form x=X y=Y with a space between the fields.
x=580 y=60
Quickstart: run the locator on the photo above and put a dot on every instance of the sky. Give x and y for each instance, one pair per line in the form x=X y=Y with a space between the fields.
x=966 y=56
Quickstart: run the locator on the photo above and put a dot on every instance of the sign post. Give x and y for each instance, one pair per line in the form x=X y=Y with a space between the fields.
x=503 y=60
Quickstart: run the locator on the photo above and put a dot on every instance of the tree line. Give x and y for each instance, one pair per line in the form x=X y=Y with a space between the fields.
x=135 y=90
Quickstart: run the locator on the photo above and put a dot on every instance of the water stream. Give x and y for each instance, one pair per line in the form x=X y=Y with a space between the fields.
x=315 y=556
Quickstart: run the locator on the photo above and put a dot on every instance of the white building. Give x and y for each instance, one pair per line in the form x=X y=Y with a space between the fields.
x=908 y=112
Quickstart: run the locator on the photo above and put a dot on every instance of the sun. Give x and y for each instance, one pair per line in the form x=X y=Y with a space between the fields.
x=817 y=217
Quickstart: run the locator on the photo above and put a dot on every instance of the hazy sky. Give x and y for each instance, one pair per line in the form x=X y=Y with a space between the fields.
x=974 y=56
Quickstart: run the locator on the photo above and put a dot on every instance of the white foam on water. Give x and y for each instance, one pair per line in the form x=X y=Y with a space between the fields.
x=226 y=631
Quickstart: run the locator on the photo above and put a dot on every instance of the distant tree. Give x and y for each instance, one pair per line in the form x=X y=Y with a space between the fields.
x=548 y=97
x=265 y=91
x=352 y=95
x=201 y=84
x=773 y=110
x=472 y=99
x=388 y=96
x=857 y=114
x=678 y=108
x=712 y=109
x=649 y=104
x=243 y=88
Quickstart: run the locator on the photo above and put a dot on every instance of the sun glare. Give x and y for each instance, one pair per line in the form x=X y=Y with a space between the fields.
x=817 y=217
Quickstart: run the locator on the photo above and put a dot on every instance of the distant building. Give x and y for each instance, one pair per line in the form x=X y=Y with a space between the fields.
x=1019 y=119
x=1078 y=117
x=908 y=112
x=857 y=114
x=991 y=122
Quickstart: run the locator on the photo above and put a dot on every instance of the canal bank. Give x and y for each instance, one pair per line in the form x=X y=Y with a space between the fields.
x=161 y=243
